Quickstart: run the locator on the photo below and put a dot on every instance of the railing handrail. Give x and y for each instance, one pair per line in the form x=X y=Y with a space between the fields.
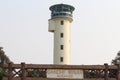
x=52 y=66
x=90 y=71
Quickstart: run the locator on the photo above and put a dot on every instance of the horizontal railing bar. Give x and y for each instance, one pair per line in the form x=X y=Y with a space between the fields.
x=28 y=78
x=51 y=66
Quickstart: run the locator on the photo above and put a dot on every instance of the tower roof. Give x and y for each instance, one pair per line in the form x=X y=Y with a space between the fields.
x=62 y=10
x=61 y=6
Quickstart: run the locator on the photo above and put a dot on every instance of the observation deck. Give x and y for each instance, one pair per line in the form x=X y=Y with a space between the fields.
x=61 y=10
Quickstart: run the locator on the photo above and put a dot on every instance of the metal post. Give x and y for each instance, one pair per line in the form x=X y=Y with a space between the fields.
x=9 y=71
x=106 y=71
x=23 y=71
x=118 y=71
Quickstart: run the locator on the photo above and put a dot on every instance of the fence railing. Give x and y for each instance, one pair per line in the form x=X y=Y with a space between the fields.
x=34 y=71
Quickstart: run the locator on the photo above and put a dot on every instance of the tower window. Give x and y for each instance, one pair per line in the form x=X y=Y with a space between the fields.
x=61 y=47
x=62 y=22
x=61 y=35
x=61 y=59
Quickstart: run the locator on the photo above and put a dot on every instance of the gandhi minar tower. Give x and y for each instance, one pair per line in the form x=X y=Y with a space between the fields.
x=59 y=24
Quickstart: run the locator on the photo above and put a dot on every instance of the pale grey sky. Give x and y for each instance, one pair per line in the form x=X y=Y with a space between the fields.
x=95 y=31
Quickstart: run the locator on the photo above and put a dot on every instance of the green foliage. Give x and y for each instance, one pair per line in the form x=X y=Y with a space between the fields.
x=3 y=58
x=117 y=59
x=3 y=73
x=36 y=73
x=33 y=74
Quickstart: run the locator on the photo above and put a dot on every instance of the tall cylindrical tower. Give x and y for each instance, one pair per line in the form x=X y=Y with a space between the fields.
x=59 y=24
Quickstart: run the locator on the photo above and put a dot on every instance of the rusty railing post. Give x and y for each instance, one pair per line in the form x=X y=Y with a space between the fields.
x=106 y=71
x=118 y=71
x=9 y=71
x=23 y=75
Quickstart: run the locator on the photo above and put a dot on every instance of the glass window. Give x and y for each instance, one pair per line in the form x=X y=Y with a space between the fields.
x=61 y=35
x=61 y=47
x=62 y=22
x=61 y=59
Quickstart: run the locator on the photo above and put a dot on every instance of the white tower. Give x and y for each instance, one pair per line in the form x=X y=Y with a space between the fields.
x=59 y=24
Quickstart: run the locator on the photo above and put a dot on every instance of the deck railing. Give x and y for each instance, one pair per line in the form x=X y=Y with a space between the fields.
x=39 y=71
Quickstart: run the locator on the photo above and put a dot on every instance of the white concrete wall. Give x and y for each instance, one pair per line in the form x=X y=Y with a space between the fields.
x=65 y=29
x=51 y=27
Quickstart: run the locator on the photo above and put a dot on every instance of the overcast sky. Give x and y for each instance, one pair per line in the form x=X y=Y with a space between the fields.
x=95 y=31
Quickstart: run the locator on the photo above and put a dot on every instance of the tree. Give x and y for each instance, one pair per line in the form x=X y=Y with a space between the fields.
x=4 y=59
x=117 y=59
x=3 y=73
